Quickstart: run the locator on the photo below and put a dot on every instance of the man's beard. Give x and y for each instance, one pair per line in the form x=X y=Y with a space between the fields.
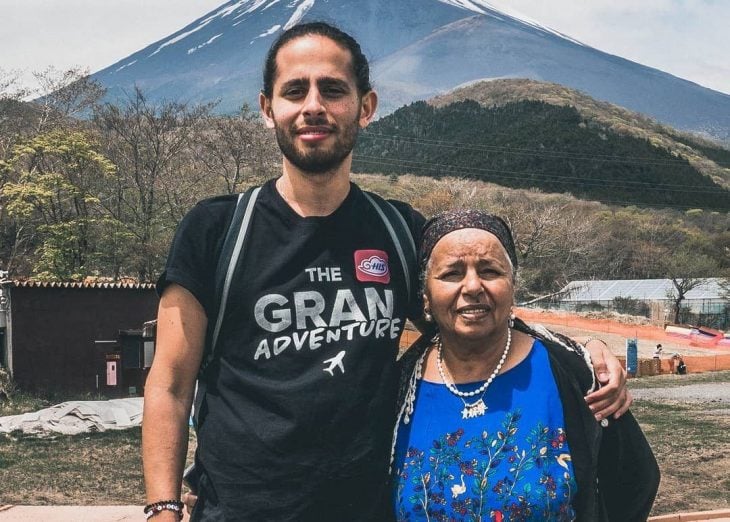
x=317 y=160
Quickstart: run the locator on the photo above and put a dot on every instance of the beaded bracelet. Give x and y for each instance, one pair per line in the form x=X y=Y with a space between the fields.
x=150 y=510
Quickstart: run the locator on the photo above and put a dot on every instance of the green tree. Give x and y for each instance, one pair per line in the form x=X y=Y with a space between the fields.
x=51 y=190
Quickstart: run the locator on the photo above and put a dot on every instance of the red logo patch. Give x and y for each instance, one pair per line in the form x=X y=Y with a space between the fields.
x=372 y=265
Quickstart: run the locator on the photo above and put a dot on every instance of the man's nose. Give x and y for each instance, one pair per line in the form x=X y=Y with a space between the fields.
x=313 y=103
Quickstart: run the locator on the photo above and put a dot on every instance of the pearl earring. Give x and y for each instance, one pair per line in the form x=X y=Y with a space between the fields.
x=427 y=315
x=511 y=320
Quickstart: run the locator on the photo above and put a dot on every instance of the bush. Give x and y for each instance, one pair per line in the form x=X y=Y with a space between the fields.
x=589 y=307
x=630 y=306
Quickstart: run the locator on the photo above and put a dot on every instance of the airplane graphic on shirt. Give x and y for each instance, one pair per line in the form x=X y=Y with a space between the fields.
x=335 y=362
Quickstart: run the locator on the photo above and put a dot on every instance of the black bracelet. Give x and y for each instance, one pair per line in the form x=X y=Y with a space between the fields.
x=150 y=510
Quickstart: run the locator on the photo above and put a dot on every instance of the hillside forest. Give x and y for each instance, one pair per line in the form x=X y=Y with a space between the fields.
x=91 y=190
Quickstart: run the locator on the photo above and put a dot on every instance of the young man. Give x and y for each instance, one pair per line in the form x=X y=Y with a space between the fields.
x=300 y=402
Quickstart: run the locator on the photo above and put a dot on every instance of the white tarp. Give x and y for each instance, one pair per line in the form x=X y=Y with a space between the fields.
x=74 y=417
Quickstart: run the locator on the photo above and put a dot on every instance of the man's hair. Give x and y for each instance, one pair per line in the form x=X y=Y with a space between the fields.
x=360 y=66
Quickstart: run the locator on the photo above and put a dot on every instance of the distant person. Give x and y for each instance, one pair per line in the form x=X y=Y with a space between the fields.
x=657 y=359
x=681 y=368
x=657 y=352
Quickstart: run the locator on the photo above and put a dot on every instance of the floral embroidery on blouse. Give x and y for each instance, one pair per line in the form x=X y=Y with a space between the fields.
x=494 y=476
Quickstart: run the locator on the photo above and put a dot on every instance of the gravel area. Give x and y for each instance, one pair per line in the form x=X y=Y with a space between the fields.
x=712 y=392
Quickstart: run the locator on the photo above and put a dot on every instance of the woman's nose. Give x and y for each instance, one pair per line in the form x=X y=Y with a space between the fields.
x=472 y=283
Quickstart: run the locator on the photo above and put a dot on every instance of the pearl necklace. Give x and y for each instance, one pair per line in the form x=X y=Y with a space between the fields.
x=478 y=408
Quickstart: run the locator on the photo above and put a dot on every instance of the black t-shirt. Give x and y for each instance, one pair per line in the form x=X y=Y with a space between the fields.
x=301 y=397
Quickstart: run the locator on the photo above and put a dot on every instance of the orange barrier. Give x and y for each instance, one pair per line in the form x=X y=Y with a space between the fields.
x=695 y=364
x=640 y=331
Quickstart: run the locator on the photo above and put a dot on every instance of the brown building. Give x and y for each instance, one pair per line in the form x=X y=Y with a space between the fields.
x=59 y=336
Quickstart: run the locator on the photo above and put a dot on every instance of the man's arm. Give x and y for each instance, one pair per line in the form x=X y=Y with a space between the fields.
x=181 y=325
x=613 y=397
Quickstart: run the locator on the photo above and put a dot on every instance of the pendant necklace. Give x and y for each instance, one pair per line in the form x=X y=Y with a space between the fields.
x=478 y=407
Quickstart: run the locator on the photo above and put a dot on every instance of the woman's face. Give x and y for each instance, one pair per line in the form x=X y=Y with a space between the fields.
x=469 y=285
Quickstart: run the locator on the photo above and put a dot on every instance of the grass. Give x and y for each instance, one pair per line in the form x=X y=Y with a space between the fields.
x=690 y=442
x=98 y=468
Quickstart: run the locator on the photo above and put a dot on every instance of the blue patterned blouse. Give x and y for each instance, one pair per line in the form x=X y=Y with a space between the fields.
x=513 y=463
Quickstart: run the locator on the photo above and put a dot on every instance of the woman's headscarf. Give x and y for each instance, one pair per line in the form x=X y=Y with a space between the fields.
x=451 y=220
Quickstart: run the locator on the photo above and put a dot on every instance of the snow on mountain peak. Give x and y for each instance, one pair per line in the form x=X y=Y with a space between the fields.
x=301 y=10
x=491 y=7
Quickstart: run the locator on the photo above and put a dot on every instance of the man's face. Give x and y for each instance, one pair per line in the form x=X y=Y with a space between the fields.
x=315 y=108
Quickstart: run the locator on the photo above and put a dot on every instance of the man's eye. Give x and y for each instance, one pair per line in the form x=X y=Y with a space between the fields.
x=333 y=91
x=294 y=92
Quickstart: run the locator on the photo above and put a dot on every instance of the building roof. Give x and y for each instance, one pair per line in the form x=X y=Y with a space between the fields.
x=85 y=285
x=641 y=289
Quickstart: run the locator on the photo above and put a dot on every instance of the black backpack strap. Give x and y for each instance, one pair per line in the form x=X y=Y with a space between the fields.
x=227 y=263
x=401 y=237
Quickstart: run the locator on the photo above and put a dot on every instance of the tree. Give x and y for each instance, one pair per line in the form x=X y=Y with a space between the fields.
x=53 y=198
x=150 y=145
x=554 y=242
x=238 y=150
x=687 y=270
x=64 y=95
x=15 y=115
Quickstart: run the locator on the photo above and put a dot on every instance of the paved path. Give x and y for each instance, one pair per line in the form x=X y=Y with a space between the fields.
x=134 y=513
x=70 y=513
x=73 y=514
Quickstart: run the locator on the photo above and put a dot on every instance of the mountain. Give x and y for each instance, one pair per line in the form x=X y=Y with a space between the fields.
x=549 y=146
x=418 y=48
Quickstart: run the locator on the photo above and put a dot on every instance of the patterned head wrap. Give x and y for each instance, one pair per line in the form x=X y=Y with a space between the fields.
x=451 y=220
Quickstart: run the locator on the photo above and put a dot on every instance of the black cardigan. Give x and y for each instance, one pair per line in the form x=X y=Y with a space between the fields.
x=615 y=469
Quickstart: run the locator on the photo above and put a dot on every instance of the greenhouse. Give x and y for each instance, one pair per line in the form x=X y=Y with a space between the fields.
x=706 y=304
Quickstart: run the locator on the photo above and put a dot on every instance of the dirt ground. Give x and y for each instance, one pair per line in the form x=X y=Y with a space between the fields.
x=615 y=333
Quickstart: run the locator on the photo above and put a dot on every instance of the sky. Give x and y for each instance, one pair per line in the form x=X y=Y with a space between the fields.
x=687 y=38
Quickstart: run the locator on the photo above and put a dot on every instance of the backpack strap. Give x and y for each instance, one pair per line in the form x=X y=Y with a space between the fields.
x=226 y=267
x=401 y=237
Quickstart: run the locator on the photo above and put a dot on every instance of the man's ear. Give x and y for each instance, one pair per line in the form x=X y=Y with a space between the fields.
x=266 y=112
x=368 y=105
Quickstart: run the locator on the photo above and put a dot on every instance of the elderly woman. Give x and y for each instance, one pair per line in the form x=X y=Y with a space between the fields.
x=494 y=425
